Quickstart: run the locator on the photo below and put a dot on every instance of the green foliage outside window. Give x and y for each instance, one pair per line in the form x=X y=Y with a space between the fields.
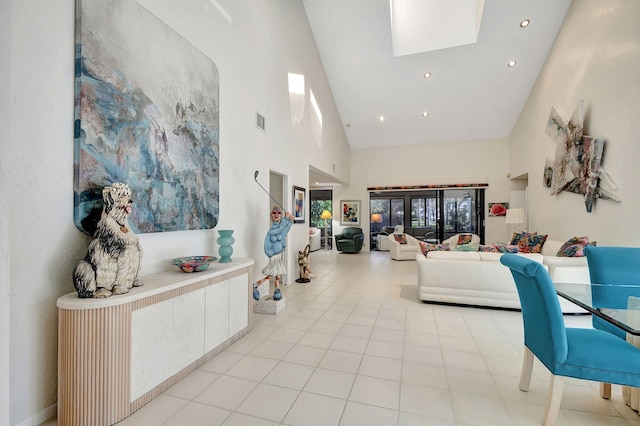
x=317 y=207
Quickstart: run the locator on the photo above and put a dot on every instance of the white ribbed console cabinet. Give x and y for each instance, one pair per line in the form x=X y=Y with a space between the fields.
x=117 y=354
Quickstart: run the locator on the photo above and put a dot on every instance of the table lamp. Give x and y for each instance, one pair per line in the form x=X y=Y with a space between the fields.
x=326 y=214
x=514 y=218
x=376 y=218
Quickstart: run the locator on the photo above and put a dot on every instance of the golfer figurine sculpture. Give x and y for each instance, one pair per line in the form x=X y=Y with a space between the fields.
x=274 y=245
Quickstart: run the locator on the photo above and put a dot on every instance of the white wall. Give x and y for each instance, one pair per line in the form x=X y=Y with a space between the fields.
x=5 y=95
x=484 y=161
x=253 y=50
x=596 y=57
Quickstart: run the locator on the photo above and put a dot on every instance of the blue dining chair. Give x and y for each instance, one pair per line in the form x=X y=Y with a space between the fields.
x=612 y=266
x=588 y=354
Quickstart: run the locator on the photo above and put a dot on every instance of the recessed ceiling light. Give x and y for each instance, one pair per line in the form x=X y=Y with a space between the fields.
x=511 y=64
x=525 y=23
x=348 y=124
x=427 y=74
x=425 y=114
x=381 y=118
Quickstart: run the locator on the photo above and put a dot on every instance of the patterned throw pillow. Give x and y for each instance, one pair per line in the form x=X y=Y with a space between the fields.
x=508 y=248
x=574 y=247
x=401 y=238
x=464 y=239
x=427 y=247
x=517 y=236
x=499 y=249
x=531 y=243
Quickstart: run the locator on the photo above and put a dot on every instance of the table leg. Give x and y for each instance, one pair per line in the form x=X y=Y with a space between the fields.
x=632 y=395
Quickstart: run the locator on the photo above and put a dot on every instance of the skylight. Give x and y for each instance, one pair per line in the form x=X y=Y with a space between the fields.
x=424 y=25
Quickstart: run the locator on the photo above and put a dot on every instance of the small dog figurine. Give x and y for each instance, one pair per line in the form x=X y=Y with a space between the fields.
x=113 y=260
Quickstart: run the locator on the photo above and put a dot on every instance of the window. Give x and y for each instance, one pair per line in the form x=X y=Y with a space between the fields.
x=445 y=212
x=391 y=209
x=320 y=200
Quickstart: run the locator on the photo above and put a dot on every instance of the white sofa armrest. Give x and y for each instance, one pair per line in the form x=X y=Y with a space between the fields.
x=383 y=242
x=314 y=239
x=407 y=251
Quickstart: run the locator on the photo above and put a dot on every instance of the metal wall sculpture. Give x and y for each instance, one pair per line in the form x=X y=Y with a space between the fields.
x=146 y=113
x=577 y=165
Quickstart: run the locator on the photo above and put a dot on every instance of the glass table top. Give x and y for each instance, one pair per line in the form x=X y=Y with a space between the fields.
x=617 y=304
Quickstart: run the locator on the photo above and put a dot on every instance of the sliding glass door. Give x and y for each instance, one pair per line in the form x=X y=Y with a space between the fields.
x=431 y=214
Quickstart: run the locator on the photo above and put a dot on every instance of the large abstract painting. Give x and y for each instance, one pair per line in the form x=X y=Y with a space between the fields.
x=577 y=164
x=147 y=114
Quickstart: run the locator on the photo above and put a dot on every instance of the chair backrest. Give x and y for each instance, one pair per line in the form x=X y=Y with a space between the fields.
x=613 y=266
x=544 y=331
x=351 y=231
x=453 y=240
x=388 y=229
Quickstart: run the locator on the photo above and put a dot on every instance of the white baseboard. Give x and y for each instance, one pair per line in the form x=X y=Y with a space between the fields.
x=43 y=416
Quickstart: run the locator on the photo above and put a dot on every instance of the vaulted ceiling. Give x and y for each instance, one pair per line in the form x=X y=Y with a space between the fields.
x=471 y=94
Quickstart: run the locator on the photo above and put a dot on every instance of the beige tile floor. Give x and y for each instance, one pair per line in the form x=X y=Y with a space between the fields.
x=356 y=347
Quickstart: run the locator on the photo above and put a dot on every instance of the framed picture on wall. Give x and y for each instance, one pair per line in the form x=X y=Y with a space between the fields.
x=349 y=212
x=299 y=200
x=498 y=209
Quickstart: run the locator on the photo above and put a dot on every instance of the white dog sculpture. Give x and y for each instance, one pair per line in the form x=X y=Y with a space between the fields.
x=113 y=260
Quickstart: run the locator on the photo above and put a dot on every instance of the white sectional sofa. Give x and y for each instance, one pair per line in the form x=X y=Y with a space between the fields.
x=564 y=269
x=478 y=278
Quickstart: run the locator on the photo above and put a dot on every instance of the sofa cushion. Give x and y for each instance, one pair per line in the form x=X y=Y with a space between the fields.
x=466 y=247
x=454 y=255
x=574 y=247
x=495 y=257
x=565 y=261
x=490 y=257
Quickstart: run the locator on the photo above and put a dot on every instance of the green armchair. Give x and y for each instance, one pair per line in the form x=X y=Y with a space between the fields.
x=350 y=240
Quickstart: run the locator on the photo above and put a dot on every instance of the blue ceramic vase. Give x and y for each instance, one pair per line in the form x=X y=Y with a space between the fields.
x=225 y=242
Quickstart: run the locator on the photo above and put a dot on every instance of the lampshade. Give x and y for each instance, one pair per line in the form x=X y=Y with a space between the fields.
x=376 y=218
x=326 y=214
x=515 y=216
